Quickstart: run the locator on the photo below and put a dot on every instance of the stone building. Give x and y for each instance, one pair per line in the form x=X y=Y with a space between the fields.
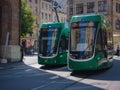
x=62 y=17
x=10 y=30
x=110 y=8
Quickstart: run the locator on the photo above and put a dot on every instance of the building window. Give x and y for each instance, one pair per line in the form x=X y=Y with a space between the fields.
x=42 y=15
x=45 y=6
x=30 y=0
x=45 y=15
x=36 y=1
x=90 y=7
x=102 y=6
x=71 y=11
x=118 y=24
x=36 y=22
x=50 y=7
x=49 y=17
x=42 y=5
x=117 y=8
x=70 y=1
x=79 y=8
x=36 y=11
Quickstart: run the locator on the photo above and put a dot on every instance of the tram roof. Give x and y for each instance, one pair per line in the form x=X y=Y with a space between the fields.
x=87 y=17
x=52 y=24
x=64 y=26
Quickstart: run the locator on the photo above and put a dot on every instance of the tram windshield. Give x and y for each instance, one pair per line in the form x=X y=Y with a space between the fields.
x=48 y=42
x=82 y=39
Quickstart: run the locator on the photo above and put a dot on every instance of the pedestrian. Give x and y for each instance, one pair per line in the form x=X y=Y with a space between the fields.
x=117 y=50
x=105 y=52
x=22 y=53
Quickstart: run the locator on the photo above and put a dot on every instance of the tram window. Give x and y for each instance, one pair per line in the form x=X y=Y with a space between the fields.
x=109 y=40
x=104 y=41
x=98 y=42
x=104 y=38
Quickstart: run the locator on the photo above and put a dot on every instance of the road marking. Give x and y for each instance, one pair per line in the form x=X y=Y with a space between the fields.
x=54 y=77
x=28 y=70
x=42 y=86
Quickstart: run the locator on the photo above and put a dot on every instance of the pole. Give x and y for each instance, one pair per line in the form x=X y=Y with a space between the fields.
x=4 y=60
x=55 y=8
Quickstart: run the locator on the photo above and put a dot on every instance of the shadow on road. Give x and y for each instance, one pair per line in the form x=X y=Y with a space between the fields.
x=51 y=67
x=26 y=77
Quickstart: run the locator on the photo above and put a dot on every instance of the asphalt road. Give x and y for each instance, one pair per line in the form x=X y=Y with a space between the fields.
x=32 y=76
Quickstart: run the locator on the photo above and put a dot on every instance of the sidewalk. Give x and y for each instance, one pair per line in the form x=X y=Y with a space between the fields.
x=116 y=57
x=28 y=59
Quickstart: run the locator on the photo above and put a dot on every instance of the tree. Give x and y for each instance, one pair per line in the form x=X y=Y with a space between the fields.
x=27 y=19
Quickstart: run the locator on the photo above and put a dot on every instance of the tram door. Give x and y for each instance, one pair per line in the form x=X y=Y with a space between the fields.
x=0 y=17
x=63 y=44
x=104 y=42
x=0 y=23
x=107 y=43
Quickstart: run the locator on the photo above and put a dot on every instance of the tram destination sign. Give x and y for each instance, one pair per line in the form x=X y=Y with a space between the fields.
x=82 y=24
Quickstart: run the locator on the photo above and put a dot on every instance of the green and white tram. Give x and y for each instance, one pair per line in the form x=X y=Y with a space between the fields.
x=90 y=43
x=53 y=43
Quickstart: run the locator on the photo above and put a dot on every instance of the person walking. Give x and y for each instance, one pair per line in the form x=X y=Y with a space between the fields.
x=117 y=50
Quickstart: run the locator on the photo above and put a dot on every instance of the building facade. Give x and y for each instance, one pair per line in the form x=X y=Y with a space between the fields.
x=43 y=10
x=10 y=30
x=110 y=8
x=62 y=17
x=32 y=39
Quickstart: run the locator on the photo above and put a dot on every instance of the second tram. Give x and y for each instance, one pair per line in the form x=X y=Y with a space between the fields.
x=53 y=43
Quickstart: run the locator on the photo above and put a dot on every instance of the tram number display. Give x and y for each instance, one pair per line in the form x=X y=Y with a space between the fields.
x=82 y=24
x=47 y=29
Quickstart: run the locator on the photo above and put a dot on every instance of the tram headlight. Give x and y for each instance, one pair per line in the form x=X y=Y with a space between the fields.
x=98 y=58
x=61 y=56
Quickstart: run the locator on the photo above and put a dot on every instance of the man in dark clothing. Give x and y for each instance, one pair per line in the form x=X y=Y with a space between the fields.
x=118 y=50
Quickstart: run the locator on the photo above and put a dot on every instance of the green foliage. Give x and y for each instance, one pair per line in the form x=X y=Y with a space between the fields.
x=27 y=19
